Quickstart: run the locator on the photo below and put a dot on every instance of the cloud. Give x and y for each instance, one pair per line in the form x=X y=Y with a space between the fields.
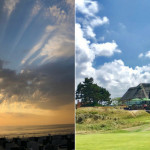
x=34 y=11
x=87 y=7
x=89 y=32
x=58 y=38
x=146 y=55
x=117 y=77
x=40 y=43
x=114 y=76
x=83 y=51
x=9 y=6
x=141 y=55
x=70 y=2
x=122 y=26
x=105 y=49
x=56 y=47
x=85 y=55
x=98 y=21
x=51 y=48
x=89 y=24
x=56 y=14
x=36 y=8
x=102 y=38
x=60 y=13
x=49 y=86
x=87 y=51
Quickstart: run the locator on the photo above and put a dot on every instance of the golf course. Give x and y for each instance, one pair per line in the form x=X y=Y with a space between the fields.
x=114 y=141
x=102 y=128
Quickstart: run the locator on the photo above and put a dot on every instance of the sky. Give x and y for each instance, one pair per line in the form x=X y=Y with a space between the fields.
x=36 y=62
x=112 y=43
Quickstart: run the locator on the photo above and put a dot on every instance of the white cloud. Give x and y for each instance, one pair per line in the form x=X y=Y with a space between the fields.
x=57 y=13
x=40 y=43
x=9 y=6
x=89 y=32
x=105 y=49
x=83 y=51
x=141 y=55
x=117 y=77
x=102 y=38
x=87 y=7
x=54 y=48
x=147 y=54
x=86 y=53
x=114 y=76
x=56 y=41
x=99 y=21
x=36 y=8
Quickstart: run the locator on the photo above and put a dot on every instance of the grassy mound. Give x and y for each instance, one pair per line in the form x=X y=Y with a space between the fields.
x=108 y=119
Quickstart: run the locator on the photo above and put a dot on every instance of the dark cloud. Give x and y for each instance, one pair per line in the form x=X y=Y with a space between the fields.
x=48 y=86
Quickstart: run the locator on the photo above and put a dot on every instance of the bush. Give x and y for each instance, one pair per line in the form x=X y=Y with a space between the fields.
x=80 y=118
x=96 y=117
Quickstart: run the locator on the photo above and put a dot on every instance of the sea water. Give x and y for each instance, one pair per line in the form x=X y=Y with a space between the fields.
x=39 y=130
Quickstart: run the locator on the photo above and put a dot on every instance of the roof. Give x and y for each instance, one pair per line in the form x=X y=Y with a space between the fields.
x=141 y=91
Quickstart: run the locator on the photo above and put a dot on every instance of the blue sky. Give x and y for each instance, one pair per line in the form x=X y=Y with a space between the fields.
x=20 y=21
x=36 y=60
x=115 y=47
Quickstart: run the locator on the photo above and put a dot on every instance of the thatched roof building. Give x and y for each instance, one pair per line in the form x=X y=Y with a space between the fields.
x=141 y=91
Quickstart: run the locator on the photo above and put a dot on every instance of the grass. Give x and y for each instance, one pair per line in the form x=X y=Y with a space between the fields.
x=105 y=128
x=113 y=141
x=105 y=119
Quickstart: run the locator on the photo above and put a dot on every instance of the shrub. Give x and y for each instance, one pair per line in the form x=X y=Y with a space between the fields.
x=80 y=118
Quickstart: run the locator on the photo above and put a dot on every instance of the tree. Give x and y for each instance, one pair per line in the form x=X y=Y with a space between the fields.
x=91 y=94
x=116 y=101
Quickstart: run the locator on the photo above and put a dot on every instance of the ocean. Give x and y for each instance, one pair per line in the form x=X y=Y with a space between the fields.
x=39 y=130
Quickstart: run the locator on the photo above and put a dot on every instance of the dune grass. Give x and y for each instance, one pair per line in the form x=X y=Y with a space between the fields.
x=105 y=119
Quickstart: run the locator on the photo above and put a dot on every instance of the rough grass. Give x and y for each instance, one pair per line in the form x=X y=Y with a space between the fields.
x=108 y=119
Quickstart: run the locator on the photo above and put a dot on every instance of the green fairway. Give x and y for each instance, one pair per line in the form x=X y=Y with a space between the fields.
x=114 y=141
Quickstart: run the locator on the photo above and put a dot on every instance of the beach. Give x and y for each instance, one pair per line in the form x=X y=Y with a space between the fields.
x=40 y=137
x=35 y=130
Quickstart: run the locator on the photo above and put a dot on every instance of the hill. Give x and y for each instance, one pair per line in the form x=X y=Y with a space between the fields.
x=109 y=119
